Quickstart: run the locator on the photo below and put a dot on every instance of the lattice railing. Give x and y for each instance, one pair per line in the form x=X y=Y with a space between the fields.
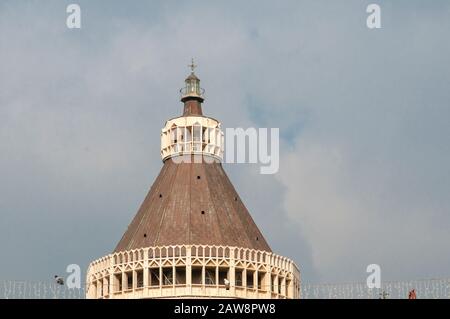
x=16 y=289
x=425 y=289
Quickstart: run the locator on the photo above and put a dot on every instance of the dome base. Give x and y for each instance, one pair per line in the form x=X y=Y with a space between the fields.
x=193 y=271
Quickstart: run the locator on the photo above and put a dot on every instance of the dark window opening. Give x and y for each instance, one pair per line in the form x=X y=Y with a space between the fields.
x=140 y=279
x=239 y=278
x=210 y=276
x=180 y=275
x=250 y=276
x=196 y=275
x=118 y=282
x=167 y=276
x=223 y=274
x=154 y=277
x=129 y=280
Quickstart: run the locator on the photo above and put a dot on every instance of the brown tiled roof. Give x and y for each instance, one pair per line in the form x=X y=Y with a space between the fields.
x=192 y=107
x=192 y=203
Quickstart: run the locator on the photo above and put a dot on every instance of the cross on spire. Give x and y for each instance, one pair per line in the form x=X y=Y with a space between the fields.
x=192 y=65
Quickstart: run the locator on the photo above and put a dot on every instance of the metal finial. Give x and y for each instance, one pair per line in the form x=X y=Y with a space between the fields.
x=192 y=65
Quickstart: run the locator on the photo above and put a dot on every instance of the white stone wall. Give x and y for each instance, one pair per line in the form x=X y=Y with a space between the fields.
x=192 y=135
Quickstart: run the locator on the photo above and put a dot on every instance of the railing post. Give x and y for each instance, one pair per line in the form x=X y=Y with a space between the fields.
x=232 y=272
x=189 y=269
x=145 y=274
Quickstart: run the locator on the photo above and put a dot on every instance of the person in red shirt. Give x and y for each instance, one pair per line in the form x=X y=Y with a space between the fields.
x=412 y=294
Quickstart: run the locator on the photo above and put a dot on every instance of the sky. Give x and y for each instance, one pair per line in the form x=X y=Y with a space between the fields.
x=363 y=115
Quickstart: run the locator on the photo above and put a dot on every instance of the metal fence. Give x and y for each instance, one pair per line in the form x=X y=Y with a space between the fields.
x=13 y=289
x=425 y=289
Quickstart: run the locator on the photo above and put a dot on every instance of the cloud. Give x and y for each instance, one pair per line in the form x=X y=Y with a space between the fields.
x=363 y=116
x=368 y=174
x=81 y=118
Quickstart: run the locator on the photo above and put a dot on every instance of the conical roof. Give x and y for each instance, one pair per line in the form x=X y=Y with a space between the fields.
x=192 y=203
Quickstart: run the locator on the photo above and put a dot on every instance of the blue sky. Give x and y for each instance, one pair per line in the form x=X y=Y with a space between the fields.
x=363 y=115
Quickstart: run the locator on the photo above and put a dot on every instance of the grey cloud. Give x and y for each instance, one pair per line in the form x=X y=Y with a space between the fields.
x=364 y=161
